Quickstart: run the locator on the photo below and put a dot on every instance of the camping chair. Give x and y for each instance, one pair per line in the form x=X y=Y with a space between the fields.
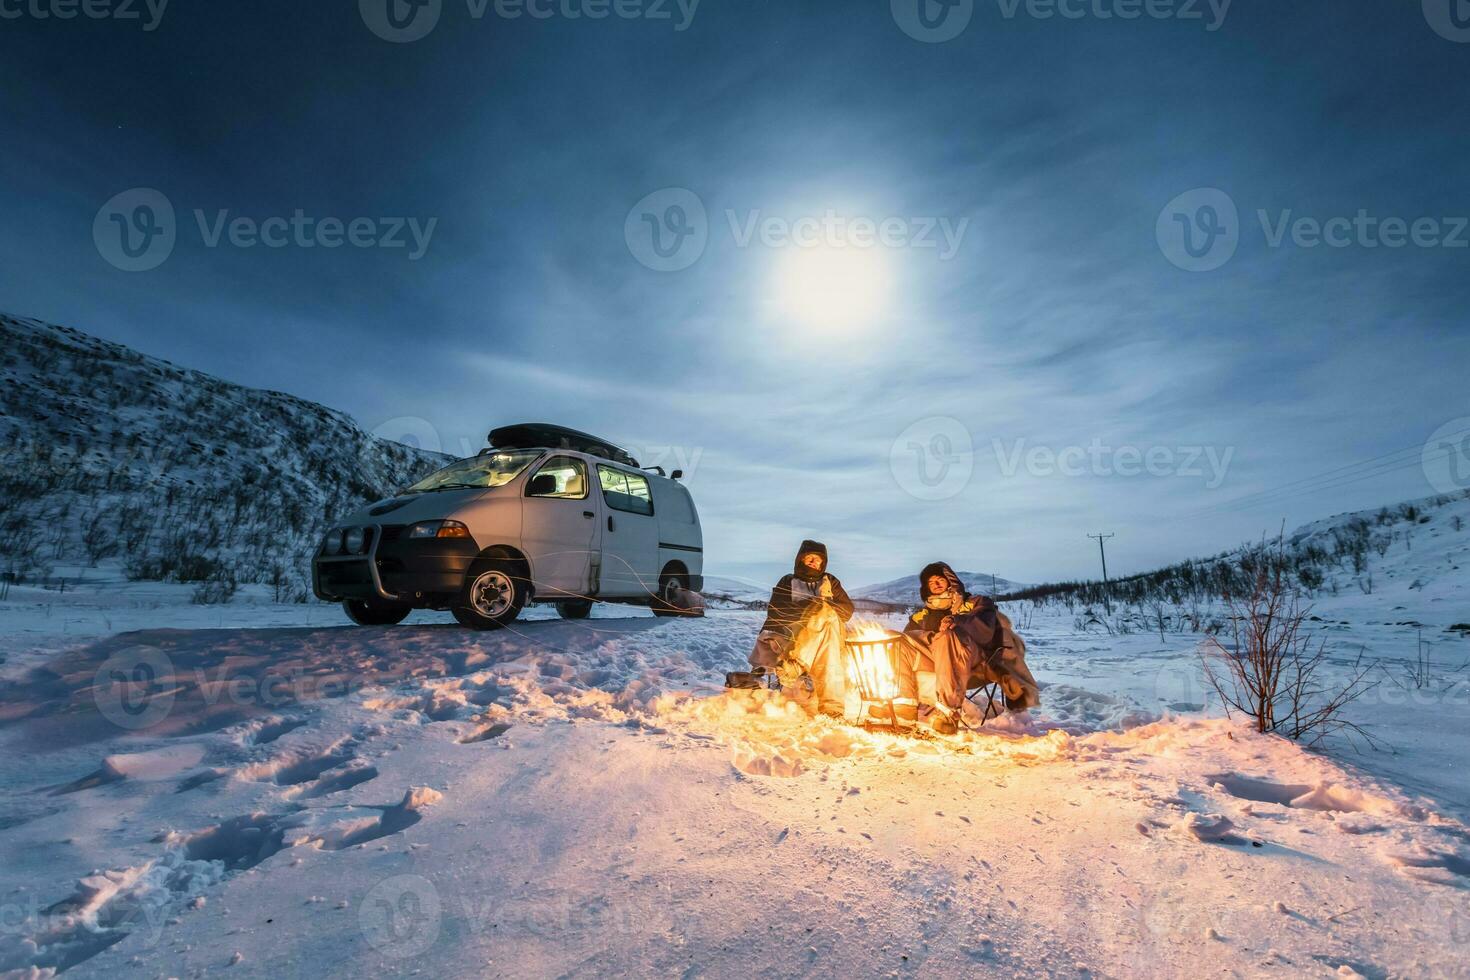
x=990 y=690
x=979 y=686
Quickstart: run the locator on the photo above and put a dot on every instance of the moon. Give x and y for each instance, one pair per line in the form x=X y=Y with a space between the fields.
x=833 y=288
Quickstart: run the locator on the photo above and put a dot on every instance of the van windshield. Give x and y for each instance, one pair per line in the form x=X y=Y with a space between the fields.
x=485 y=472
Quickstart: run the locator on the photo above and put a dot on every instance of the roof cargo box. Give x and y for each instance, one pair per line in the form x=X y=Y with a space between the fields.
x=539 y=435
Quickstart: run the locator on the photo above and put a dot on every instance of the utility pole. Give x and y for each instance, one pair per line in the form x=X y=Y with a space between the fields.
x=1107 y=604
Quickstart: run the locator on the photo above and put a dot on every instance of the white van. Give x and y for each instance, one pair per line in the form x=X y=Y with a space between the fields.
x=545 y=515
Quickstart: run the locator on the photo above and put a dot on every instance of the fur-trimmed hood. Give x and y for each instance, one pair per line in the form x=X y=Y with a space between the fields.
x=940 y=568
x=809 y=548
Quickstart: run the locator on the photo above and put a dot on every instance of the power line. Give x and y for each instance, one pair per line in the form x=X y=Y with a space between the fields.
x=1330 y=479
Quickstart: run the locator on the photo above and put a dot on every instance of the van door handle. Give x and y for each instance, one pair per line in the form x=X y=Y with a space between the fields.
x=588 y=514
x=610 y=525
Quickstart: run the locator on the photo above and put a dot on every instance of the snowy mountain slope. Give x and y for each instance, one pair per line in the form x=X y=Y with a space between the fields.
x=1379 y=562
x=1388 y=559
x=109 y=454
x=904 y=591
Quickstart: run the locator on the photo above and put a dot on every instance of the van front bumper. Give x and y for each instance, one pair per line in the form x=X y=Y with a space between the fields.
x=416 y=572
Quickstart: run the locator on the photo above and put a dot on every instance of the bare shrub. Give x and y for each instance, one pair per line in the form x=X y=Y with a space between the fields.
x=1272 y=671
x=1158 y=616
x=97 y=539
x=219 y=589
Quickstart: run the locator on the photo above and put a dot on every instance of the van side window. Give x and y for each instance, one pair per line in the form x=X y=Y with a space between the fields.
x=625 y=491
x=560 y=476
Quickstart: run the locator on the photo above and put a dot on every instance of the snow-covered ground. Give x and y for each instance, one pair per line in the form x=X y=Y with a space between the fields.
x=265 y=789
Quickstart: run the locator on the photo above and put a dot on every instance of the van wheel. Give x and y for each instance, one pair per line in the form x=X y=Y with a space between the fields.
x=574 y=609
x=492 y=597
x=365 y=613
x=663 y=604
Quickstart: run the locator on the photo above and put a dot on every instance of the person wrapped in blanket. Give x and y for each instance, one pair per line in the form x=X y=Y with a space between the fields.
x=960 y=637
x=803 y=629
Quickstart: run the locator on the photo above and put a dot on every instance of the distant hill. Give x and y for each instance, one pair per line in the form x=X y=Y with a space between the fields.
x=733 y=593
x=107 y=454
x=905 y=591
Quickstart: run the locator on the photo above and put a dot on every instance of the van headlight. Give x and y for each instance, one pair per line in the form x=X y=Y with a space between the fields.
x=332 y=543
x=353 y=540
x=439 y=529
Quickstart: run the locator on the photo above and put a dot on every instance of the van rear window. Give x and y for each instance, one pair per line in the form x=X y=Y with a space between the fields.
x=625 y=491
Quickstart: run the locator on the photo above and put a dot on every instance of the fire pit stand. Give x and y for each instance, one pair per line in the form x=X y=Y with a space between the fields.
x=871 y=662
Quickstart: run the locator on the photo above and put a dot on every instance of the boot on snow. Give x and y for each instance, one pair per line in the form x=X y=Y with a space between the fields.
x=943 y=722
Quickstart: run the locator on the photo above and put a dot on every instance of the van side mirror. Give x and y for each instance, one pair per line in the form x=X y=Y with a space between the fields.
x=542 y=485
x=677 y=475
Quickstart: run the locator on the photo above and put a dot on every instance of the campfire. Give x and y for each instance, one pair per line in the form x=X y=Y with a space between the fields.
x=870 y=650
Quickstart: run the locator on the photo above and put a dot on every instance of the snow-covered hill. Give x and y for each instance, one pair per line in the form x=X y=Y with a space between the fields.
x=904 y=591
x=109 y=455
x=1411 y=554
x=1379 y=563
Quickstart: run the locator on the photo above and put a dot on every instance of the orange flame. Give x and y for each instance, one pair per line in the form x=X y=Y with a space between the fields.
x=869 y=667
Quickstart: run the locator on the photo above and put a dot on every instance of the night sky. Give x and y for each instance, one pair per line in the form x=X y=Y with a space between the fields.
x=1054 y=275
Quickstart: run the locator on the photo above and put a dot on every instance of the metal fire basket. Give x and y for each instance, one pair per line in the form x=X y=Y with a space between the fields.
x=866 y=656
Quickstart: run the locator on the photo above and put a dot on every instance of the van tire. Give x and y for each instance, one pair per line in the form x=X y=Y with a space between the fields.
x=365 y=613
x=574 y=609
x=493 y=595
x=661 y=604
